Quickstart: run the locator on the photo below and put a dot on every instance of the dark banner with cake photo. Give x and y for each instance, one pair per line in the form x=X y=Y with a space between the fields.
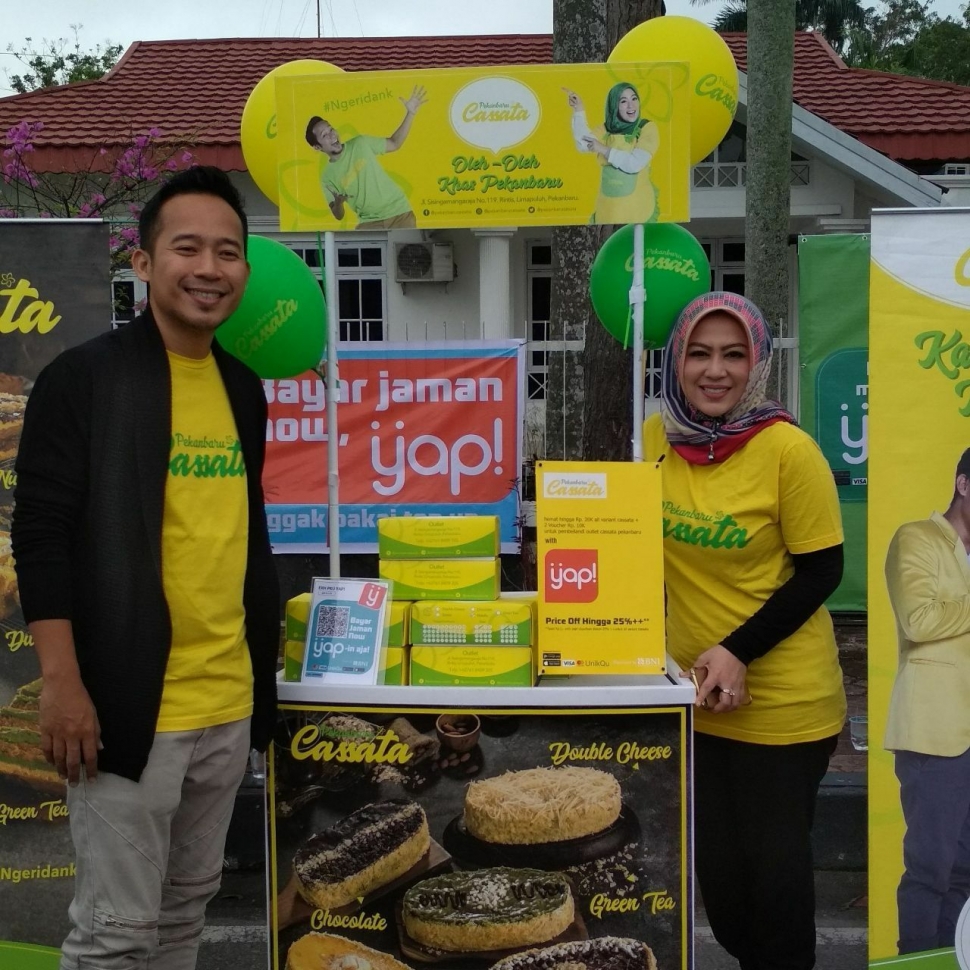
x=495 y=840
x=55 y=292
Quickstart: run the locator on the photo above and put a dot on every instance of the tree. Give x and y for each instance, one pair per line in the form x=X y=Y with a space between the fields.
x=770 y=62
x=110 y=181
x=58 y=62
x=589 y=409
x=833 y=19
x=906 y=38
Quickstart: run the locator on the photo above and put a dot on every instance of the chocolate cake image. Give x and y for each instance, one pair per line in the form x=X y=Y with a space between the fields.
x=605 y=953
x=362 y=852
x=11 y=422
x=488 y=909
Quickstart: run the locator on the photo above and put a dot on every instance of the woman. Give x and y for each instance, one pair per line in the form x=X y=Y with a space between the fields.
x=623 y=146
x=752 y=548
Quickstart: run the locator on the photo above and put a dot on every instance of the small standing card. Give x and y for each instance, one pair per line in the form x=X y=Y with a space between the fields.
x=347 y=630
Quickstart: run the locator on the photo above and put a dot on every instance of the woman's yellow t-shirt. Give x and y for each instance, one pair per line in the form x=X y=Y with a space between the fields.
x=205 y=531
x=729 y=532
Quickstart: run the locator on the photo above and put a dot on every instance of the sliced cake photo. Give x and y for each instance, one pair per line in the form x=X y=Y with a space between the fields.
x=326 y=951
x=488 y=909
x=363 y=851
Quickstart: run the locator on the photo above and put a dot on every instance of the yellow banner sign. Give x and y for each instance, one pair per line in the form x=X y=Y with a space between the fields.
x=543 y=145
x=919 y=634
x=597 y=614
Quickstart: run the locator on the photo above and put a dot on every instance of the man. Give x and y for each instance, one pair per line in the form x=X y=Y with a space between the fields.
x=147 y=581
x=354 y=177
x=928 y=576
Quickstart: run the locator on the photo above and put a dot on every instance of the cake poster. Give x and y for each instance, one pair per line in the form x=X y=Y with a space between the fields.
x=55 y=292
x=417 y=838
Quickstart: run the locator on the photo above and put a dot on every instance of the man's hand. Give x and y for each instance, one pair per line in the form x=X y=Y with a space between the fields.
x=418 y=98
x=69 y=729
x=337 y=205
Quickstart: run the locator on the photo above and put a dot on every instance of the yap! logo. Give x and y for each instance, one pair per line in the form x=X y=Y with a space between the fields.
x=572 y=576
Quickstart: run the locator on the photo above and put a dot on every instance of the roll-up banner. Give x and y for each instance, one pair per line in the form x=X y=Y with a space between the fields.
x=54 y=293
x=919 y=583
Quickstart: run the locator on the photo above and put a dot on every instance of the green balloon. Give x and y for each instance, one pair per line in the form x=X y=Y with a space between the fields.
x=279 y=328
x=675 y=270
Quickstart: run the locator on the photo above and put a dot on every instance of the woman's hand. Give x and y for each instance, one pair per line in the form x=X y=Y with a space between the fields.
x=574 y=100
x=724 y=671
x=596 y=146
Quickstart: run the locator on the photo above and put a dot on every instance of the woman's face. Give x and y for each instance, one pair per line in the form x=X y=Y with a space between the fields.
x=716 y=365
x=629 y=106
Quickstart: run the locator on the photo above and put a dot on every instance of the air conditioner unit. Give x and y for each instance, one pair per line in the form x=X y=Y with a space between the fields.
x=424 y=262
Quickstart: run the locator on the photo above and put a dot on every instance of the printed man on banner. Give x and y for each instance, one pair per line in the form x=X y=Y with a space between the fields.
x=353 y=177
x=928 y=575
x=148 y=584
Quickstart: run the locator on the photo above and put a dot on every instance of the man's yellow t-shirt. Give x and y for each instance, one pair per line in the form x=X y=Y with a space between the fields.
x=209 y=678
x=729 y=531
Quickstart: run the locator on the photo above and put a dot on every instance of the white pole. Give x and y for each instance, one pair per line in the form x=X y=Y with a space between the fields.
x=333 y=394
x=637 y=299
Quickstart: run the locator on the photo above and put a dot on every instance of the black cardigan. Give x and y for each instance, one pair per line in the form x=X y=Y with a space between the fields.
x=87 y=528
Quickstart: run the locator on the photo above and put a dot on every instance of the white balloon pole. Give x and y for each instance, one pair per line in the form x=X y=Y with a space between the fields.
x=637 y=298
x=333 y=395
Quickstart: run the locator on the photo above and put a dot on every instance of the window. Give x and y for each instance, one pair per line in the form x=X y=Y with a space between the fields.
x=539 y=282
x=727 y=165
x=361 y=286
x=128 y=296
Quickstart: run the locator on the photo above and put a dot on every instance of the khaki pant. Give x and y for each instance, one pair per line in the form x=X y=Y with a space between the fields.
x=404 y=221
x=149 y=853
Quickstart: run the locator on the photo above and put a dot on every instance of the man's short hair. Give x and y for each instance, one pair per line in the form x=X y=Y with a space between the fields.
x=198 y=180
x=963 y=465
x=311 y=138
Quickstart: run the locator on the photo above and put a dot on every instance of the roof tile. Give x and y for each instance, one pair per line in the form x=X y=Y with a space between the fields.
x=195 y=90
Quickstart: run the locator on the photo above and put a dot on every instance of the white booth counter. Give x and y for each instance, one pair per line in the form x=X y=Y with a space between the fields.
x=556 y=817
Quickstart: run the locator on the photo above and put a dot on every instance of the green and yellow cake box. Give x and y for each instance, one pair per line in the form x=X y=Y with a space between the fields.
x=490 y=623
x=472 y=666
x=442 y=579
x=394 y=666
x=438 y=537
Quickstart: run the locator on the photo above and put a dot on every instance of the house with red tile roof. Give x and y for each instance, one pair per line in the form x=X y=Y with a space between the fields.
x=860 y=140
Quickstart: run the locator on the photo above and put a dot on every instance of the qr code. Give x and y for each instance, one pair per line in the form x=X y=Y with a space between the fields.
x=333 y=621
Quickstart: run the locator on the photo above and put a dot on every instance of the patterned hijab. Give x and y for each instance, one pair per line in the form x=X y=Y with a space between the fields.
x=696 y=437
x=613 y=123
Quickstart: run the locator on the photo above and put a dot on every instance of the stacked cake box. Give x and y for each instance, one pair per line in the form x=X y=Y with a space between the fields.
x=459 y=630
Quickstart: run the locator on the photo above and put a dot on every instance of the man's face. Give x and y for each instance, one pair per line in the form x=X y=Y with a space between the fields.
x=327 y=139
x=197 y=268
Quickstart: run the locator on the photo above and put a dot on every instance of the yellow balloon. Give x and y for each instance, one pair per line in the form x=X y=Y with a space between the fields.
x=257 y=133
x=713 y=73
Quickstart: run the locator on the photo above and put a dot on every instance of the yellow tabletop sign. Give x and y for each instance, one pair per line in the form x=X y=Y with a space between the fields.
x=601 y=605
x=540 y=145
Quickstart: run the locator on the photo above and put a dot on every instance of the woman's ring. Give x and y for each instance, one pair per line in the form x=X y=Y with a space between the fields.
x=728 y=691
